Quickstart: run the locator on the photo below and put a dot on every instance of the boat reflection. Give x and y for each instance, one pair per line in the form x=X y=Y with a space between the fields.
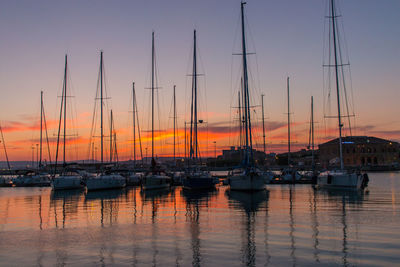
x=346 y=199
x=249 y=202
x=68 y=200
x=199 y=196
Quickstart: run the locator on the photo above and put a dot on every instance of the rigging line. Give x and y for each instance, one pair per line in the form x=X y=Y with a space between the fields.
x=94 y=124
x=4 y=146
x=47 y=137
x=344 y=81
x=138 y=127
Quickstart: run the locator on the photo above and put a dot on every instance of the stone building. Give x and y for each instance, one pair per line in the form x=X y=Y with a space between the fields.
x=359 y=151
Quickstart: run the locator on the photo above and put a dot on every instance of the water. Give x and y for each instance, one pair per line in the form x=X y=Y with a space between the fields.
x=286 y=225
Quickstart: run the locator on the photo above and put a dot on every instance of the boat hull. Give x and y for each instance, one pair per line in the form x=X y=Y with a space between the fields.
x=151 y=182
x=105 y=182
x=66 y=182
x=244 y=182
x=31 y=181
x=342 y=180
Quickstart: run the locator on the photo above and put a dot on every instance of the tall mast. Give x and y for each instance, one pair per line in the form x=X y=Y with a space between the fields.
x=63 y=104
x=288 y=112
x=333 y=17
x=312 y=132
x=263 y=124
x=248 y=142
x=240 y=123
x=134 y=123
x=5 y=150
x=101 y=104
x=111 y=136
x=152 y=97
x=193 y=117
x=41 y=128
x=65 y=107
x=174 y=122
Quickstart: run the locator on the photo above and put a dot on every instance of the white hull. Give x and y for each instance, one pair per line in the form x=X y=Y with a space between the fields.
x=34 y=180
x=340 y=180
x=66 y=182
x=153 y=181
x=243 y=182
x=105 y=182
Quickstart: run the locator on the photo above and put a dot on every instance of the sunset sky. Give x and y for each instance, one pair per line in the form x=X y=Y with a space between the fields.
x=287 y=37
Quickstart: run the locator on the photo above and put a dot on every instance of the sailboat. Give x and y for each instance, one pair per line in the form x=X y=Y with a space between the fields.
x=248 y=177
x=36 y=178
x=155 y=178
x=339 y=179
x=67 y=179
x=135 y=178
x=289 y=175
x=104 y=180
x=195 y=178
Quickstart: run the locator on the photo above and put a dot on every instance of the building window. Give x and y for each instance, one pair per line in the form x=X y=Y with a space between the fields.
x=368 y=150
x=375 y=161
x=362 y=161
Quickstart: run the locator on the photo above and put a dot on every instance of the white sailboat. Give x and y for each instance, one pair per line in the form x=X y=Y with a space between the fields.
x=195 y=178
x=135 y=178
x=111 y=180
x=155 y=178
x=67 y=179
x=248 y=177
x=340 y=179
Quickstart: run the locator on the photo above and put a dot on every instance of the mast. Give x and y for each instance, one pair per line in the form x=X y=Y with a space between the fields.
x=152 y=97
x=249 y=143
x=193 y=115
x=288 y=109
x=174 y=122
x=41 y=128
x=240 y=124
x=65 y=106
x=134 y=123
x=333 y=17
x=312 y=133
x=111 y=136
x=101 y=104
x=263 y=124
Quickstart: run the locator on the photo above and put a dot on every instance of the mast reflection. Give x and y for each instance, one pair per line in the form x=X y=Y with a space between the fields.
x=249 y=202
x=346 y=198
x=68 y=200
x=194 y=201
x=291 y=225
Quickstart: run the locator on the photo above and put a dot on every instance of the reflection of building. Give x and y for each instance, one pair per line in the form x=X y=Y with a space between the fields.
x=360 y=151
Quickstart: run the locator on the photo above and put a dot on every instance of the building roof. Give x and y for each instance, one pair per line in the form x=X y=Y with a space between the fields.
x=359 y=140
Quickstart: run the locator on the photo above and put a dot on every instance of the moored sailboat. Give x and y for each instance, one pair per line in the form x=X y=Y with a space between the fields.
x=67 y=179
x=195 y=178
x=248 y=177
x=155 y=178
x=104 y=180
x=339 y=179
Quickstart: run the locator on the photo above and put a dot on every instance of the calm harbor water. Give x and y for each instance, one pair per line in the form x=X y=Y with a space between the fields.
x=283 y=226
